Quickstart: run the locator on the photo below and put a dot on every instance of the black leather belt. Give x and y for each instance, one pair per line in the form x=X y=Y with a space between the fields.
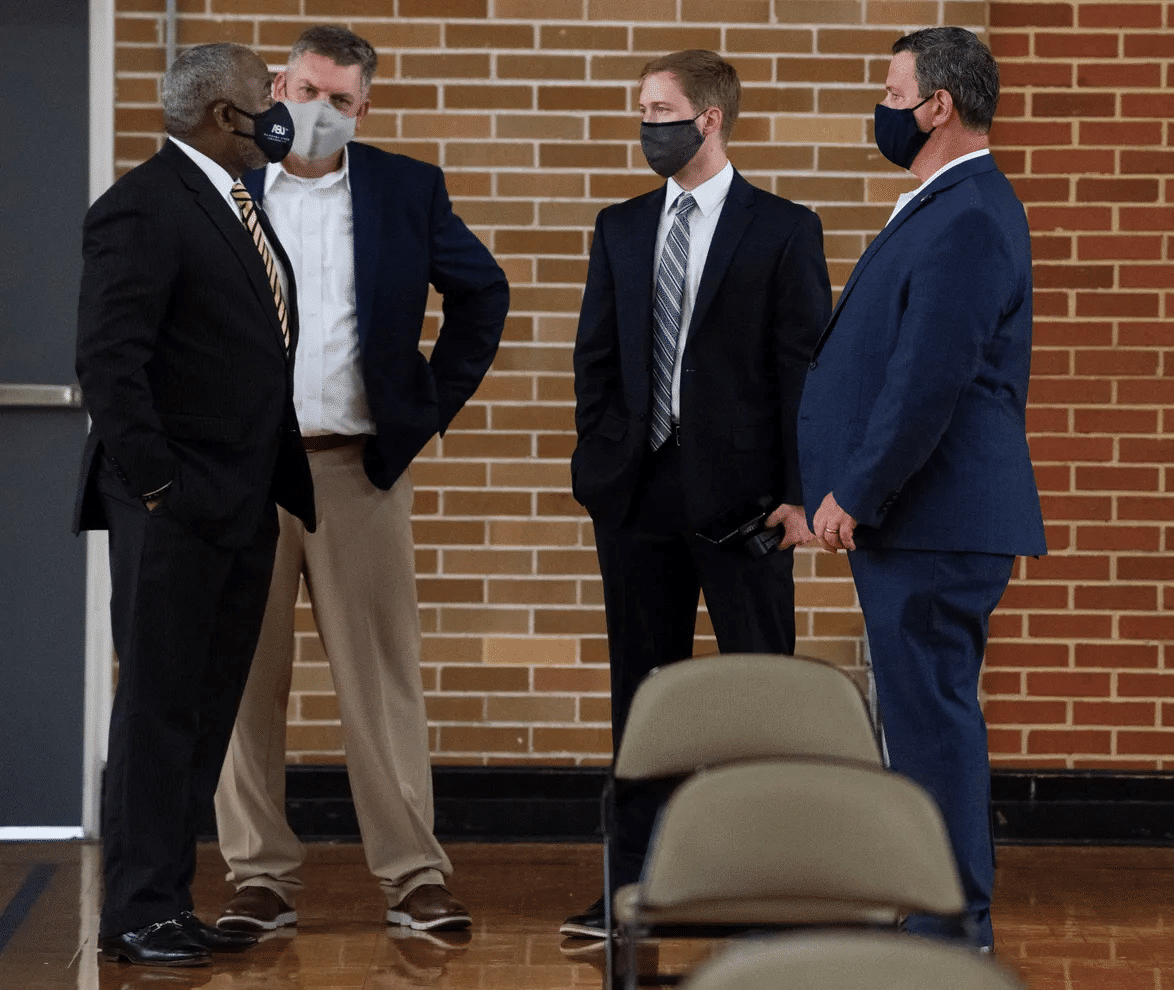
x=331 y=441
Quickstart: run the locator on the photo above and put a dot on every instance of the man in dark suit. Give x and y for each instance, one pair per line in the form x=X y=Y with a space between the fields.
x=702 y=304
x=367 y=233
x=183 y=353
x=912 y=433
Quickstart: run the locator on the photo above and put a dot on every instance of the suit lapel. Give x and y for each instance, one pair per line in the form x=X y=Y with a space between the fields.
x=955 y=175
x=366 y=211
x=735 y=217
x=221 y=214
x=633 y=263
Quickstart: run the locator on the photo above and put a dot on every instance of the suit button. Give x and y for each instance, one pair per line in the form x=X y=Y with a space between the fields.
x=641 y=417
x=813 y=365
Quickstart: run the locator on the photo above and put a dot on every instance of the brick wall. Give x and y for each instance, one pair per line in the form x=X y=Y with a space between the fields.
x=1081 y=670
x=529 y=107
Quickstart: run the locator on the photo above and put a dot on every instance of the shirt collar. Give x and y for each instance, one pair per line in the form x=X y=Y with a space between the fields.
x=709 y=195
x=216 y=172
x=949 y=165
x=275 y=173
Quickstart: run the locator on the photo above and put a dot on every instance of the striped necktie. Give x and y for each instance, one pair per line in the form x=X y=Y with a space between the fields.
x=249 y=212
x=666 y=319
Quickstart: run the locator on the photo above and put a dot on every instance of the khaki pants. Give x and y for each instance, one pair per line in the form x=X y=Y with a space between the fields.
x=360 y=572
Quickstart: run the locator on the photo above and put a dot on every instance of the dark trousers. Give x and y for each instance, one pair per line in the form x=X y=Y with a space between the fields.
x=927 y=615
x=653 y=570
x=186 y=617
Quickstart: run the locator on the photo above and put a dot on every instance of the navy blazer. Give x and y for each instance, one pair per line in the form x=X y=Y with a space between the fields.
x=181 y=359
x=407 y=237
x=763 y=298
x=913 y=413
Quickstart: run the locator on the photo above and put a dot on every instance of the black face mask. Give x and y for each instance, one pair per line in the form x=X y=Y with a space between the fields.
x=897 y=135
x=273 y=130
x=671 y=145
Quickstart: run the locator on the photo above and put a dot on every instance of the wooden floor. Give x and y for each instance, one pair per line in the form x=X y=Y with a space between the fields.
x=1071 y=918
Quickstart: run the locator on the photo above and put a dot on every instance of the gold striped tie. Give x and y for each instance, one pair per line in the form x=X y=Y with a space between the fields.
x=249 y=212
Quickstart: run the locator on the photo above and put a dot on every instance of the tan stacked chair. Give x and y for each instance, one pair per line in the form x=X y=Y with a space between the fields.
x=711 y=710
x=788 y=842
x=850 y=961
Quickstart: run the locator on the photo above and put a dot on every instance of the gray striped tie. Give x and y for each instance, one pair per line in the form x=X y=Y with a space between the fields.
x=666 y=319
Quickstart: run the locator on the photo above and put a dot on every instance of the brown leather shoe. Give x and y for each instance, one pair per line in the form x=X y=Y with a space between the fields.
x=428 y=907
x=256 y=909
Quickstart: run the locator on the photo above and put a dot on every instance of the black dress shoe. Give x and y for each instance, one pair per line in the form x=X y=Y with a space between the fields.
x=165 y=943
x=216 y=939
x=589 y=924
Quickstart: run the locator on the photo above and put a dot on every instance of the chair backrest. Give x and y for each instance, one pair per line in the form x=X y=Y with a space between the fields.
x=734 y=706
x=798 y=841
x=850 y=961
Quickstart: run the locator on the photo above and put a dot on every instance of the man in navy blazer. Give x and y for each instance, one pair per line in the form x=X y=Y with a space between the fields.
x=679 y=433
x=912 y=434
x=367 y=233
x=187 y=377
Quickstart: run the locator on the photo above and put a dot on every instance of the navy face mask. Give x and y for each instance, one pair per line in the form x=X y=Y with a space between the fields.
x=897 y=135
x=671 y=145
x=273 y=130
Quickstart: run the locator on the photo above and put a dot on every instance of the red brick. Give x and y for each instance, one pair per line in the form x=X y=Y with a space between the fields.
x=1005 y=14
x=1016 y=74
x=1158 y=44
x=1070 y=218
x=1081 y=46
x=1146 y=742
x=1082 y=105
x=1116 y=655
x=1005 y=741
x=1118 y=248
x=1009 y=712
x=1116 y=420
x=1072 y=567
x=1076 y=508
x=1146 y=568
x=1146 y=627
x=1002 y=682
x=1010 y=44
x=1118 y=361
x=1072 y=276
x=1135 y=392
x=1039 y=190
x=1130 y=685
x=1118 y=538
x=1135 y=162
x=1137 y=450
x=1071 y=161
x=1019 y=654
x=1145 y=509
x=1046 y=420
x=1117 y=75
x=1050 y=304
x=1117 y=190
x=1149 y=218
x=1117 y=597
x=1045 y=248
x=1066 y=333
x=1116 y=478
x=1117 y=133
x=1121 y=15
x=1035 y=596
x=1077 y=391
x=1160 y=105
x=1067 y=449
x=1068 y=741
x=1030 y=133
x=1066 y=625
x=1146 y=276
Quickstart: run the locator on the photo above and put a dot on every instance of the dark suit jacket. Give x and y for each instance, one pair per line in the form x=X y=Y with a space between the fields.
x=406 y=237
x=913 y=414
x=181 y=359
x=763 y=299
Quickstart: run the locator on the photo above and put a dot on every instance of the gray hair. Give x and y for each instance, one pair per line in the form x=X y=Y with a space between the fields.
x=341 y=45
x=953 y=59
x=197 y=79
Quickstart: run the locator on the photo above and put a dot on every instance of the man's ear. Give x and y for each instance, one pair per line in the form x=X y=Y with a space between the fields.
x=279 y=85
x=942 y=104
x=222 y=115
x=712 y=121
x=364 y=109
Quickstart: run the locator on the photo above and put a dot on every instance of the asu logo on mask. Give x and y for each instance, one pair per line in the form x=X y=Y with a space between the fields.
x=273 y=130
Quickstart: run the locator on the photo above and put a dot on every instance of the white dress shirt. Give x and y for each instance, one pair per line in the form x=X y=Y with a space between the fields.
x=710 y=197
x=314 y=219
x=224 y=182
x=905 y=197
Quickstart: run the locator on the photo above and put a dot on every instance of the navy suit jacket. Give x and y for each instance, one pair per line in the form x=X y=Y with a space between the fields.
x=763 y=298
x=913 y=413
x=406 y=237
x=181 y=359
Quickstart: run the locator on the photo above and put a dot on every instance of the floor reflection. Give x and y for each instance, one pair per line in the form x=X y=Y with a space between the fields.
x=1070 y=918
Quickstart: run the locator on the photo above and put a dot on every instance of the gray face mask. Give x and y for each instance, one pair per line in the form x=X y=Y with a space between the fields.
x=320 y=130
